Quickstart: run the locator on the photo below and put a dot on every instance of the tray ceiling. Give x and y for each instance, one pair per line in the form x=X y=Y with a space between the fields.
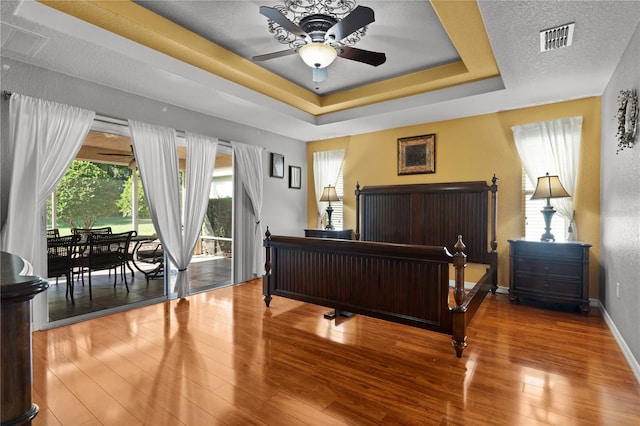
x=444 y=59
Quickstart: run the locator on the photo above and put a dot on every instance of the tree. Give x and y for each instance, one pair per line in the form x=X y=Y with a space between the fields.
x=85 y=193
x=219 y=218
x=124 y=203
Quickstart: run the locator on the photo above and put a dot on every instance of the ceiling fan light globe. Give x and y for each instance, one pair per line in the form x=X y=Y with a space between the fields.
x=317 y=55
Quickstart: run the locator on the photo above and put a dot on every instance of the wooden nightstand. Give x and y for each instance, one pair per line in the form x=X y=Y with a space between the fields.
x=549 y=272
x=345 y=234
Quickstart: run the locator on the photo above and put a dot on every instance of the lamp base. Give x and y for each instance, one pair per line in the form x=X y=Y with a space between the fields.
x=548 y=211
x=548 y=237
x=329 y=226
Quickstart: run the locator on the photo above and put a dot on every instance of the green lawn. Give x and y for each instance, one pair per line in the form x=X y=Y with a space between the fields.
x=118 y=224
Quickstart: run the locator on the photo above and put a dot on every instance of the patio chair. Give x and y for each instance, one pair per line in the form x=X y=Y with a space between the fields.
x=106 y=252
x=53 y=233
x=59 y=258
x=153 y=254
x=84 y=232
x=84 y=236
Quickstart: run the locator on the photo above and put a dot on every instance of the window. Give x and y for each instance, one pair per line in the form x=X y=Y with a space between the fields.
x=533 y=219
x=327 y=169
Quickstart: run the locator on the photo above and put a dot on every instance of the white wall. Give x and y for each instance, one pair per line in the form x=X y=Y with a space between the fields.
x=284 y=209
x=620 y=208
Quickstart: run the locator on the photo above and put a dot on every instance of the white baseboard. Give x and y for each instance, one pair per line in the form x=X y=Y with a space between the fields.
x=633 y=363
x=502 y=290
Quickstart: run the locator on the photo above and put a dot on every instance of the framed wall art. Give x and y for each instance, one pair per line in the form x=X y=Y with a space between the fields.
x=277 y=165
x=295 y=177
x=417 y=154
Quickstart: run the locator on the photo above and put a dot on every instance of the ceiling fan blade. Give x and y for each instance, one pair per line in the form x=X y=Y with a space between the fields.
x=364 y=56
x=272 y=55
x=360 y=16
x=114 y=154
x=277 y=17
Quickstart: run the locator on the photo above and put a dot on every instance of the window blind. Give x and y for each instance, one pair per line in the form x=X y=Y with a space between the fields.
x=337 y=218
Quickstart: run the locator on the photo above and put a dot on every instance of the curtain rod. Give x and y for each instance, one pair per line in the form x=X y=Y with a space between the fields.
x=123 y=122
x=119 y=121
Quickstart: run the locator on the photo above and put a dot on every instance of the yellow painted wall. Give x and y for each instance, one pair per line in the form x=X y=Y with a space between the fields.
x=476 y=148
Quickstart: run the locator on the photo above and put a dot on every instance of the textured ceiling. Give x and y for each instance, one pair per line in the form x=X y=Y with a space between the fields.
x=404 y=30
x=418 y=43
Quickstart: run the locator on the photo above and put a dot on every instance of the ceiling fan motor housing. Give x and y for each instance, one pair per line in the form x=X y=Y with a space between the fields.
x=316 y=26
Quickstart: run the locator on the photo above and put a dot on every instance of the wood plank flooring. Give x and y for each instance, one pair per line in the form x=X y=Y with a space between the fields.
x=221 y=357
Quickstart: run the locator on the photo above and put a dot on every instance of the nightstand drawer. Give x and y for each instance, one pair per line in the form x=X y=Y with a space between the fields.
x=551 y=250
x=559 y=269
x=345 y=234
x=548 y=287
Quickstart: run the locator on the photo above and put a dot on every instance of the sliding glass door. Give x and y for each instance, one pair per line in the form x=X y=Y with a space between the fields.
x=211 y=264
x=101 y=192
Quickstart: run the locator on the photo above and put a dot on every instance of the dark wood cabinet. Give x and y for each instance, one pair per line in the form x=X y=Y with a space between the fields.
x=549 y=272
x=16 y=291
x=345 y=234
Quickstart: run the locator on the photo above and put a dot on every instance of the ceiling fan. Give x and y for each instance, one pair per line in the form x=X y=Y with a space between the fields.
x=132 y=159
x=320 y=32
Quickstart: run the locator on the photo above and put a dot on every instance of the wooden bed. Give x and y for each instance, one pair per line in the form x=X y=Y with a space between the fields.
x=400 y=267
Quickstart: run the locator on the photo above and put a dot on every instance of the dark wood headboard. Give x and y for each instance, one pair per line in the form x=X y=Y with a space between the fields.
x=431 y=214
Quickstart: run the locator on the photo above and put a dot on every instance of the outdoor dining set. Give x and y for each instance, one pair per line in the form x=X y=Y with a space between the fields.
x=94 y=249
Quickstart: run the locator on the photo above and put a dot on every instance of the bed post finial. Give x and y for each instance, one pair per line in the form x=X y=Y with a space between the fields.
x=459 y=333
x=459 y=263
x=266 y=278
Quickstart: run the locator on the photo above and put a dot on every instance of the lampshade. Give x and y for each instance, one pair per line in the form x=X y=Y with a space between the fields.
x=549 y=187
x=329 y=194
x=317 y=55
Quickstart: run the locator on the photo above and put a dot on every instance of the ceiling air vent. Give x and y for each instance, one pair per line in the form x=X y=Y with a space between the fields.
x=22 y=42
x=556 y=38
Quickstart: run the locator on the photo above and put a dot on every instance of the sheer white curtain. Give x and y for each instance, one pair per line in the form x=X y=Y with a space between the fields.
x=201 y=159
x=45 y=138
x=326 y=168
x=157 y=157
x=156 y=153
x=554 y=147
x=249 y=160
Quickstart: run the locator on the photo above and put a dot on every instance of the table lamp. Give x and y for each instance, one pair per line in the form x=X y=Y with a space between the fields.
x=548 y=187
x=329 y=194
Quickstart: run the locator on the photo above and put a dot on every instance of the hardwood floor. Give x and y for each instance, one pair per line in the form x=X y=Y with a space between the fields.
x=221 y=357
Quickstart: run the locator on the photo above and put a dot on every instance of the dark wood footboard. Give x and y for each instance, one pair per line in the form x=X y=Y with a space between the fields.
x=402 y=283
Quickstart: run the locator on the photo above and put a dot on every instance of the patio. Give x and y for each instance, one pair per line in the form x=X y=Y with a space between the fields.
x=205 y=273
